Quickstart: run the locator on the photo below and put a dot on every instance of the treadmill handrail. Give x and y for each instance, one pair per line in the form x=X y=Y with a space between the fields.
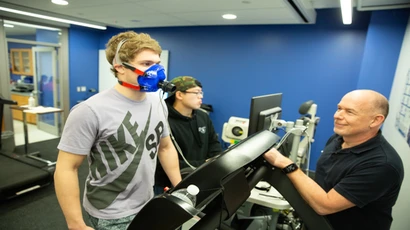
x=7 y=102
x=215 y=175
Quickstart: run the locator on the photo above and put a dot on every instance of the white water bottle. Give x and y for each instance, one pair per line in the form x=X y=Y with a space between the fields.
x=187 y=194
x=31 y=101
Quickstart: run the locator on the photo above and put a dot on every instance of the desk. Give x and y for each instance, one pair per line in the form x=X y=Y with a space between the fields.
x=270 y=199
x=34 y=110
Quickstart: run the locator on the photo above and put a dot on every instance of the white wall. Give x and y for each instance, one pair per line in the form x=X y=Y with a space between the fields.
x=107 y=80
x=398 y=117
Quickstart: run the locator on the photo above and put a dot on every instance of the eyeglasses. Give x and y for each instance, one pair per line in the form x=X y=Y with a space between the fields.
x=197 y=93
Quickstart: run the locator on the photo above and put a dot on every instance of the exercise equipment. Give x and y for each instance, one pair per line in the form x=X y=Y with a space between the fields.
x=19 y=175
x=224 y=184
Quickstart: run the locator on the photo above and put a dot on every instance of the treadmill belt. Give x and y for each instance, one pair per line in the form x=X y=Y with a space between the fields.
x=17 y=177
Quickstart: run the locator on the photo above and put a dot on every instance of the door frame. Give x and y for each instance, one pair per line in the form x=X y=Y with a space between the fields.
x=55 y=128
x=63 y=70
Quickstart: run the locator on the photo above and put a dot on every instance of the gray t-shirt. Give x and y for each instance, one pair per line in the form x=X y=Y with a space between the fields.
x=121 y=139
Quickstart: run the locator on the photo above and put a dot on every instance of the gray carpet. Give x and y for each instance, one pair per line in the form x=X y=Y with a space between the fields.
x=38 y=209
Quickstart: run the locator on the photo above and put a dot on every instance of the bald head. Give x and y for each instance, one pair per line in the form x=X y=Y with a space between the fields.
x=371 y=100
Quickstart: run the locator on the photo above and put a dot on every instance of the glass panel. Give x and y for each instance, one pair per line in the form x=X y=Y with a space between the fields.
x=16 y=61
x=18 y=31
x=25 y=55
x=26 y=61
x=45 y=84
x=25 y=78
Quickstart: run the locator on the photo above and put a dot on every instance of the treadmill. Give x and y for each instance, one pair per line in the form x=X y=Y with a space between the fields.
x=17 y=174
x=225 y=183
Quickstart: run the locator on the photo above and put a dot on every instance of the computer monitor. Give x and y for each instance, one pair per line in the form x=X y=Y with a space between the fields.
x=266 y=117
x=259 y=104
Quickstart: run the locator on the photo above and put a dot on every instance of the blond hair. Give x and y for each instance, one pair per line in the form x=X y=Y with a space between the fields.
x=133 y=45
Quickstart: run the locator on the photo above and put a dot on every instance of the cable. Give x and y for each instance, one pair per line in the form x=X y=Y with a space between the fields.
x=179 y=149
x=277 y=197
x=284 y=138
x=170 y=131
x=308 y=151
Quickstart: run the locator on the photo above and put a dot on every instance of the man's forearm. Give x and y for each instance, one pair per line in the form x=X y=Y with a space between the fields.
x=68 y=195
x=311 y=192
x=174 y=175
x=170 y=164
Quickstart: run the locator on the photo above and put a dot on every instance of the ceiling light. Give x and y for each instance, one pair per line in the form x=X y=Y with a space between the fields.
x=31 y=25
x=60 y=2
x=8 y=25
x=52 y=18
x=346 y=6
x=229 y=16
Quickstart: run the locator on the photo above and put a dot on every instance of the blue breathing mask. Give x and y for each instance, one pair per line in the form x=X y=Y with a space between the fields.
x=152 y=79
x=149 y=81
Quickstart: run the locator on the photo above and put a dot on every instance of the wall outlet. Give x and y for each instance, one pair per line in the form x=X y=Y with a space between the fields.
x=83 y=88
x=78 y=89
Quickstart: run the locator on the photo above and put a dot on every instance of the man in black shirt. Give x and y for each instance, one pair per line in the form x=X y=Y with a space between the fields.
x=359 y=174
x=192 y=131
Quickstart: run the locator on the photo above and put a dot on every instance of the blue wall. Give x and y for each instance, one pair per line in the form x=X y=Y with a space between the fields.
x=319 y=62
x=383 y=45
x=83 y=61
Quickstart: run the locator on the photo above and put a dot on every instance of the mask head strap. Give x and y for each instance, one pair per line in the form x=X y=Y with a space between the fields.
x=128 y=85
x=117 y=59
x=133 y=69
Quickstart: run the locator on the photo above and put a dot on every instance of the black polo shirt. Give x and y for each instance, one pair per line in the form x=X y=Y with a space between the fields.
x=369 y=175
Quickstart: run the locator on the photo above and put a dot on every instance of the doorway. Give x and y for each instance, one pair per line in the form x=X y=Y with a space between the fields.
x=34 y=72
x=46 y=91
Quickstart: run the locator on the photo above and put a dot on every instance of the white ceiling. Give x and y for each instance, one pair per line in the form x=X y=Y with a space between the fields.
x=165 y=13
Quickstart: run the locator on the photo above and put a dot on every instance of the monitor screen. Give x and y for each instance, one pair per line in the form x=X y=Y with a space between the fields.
x=259 y=104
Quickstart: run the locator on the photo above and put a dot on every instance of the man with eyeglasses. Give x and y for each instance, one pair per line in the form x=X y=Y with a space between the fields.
x=192 y=130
